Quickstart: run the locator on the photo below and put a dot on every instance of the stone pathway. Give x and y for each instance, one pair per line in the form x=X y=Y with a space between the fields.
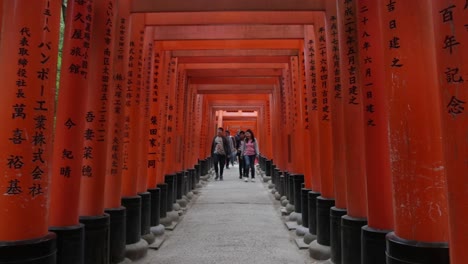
x=230 y=222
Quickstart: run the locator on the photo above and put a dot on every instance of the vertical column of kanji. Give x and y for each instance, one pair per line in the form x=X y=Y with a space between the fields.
x=339 y=159
x=306 y=116
x=171 y=88
x=287 y=128
x=93 y=171
x=297 y=117
x=154 y=122
x=115 y=110
x=28 y=52
x=69 y=128
x=416 y=147
x=379 y=205
x=277 y=117
x=179 y=107
x=267 y=149
x=451 y=40
x=162 y=97
x=132 y=92
x=354 y=134
x=144 y=73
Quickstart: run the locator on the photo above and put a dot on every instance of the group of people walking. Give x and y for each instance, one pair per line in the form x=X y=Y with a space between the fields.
x=225 y=148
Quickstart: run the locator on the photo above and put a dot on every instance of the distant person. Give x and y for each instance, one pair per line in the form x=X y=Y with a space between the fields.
x=219 y=150
x=239 y=142
x=250 y=152
x=229 y=156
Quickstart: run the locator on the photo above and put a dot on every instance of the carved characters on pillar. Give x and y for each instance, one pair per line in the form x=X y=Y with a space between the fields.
x=322 y=45
x=351 y=53
x=454 y=74
x=336 y=57
x=367 y=62
x=313 y=74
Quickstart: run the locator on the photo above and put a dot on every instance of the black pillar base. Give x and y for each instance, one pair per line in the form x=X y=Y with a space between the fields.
x=179 y=186
x=267 y=167
x=197 y=174
x=163 y=200
x=155 y=210
x=117 y=234
x=401 y=251
x=335 y=234
x=35 y=251
x=323 y=220
x=171 y=191
x=133 y=205
x=373 y=245
x=281 y=189
x=145 y=213
x=70 y=244
x=298 y=181
x=305 y=207
x=97 y=232
x=312 y=197
x=351 y=239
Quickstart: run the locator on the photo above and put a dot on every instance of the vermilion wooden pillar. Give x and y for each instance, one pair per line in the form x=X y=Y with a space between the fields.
x=132 y=92
x=144 y=70
x=314 y=183
x=69 y=129
x=379 y=184
x=154 y=122
x=416 y=149
x=339 y=150
x=93 y=166
x=113 y=183
x=451 y=40
x=354 y=133
x=170 y=116
x=28 y=52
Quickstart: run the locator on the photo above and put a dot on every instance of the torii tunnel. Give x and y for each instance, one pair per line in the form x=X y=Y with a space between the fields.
x=362 y=101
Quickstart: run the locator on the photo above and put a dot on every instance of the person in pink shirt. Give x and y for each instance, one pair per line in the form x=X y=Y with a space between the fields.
x=249 y=152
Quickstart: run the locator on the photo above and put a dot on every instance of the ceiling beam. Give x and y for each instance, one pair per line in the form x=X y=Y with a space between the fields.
x=234 y=80
x=234 y=72
x=197 y=32
x=151 y=6
x=192 y=66
x=237 y=59
x=228 y=44
x=235 y=53
x=234 y=89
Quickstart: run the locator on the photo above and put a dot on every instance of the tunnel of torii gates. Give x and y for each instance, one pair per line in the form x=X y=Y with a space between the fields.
x=364 y=102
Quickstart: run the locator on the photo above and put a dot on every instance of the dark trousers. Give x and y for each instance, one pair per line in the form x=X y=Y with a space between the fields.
x=241 y=166
x=219 y=160
x=249 y=163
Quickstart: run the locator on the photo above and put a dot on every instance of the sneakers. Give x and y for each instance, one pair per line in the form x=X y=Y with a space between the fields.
x=252 y=180
x=217 y=176
x=246 y=179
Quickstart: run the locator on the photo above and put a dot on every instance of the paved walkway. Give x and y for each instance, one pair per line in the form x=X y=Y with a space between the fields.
x=230 y=222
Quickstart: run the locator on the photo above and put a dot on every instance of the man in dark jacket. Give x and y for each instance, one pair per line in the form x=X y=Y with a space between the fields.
x=220 y=150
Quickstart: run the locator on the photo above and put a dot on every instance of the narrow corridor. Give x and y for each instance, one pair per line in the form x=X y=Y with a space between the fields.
x=230 y=221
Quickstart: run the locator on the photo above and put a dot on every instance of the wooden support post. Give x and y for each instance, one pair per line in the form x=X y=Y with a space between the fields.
x=132 y=92
x=354 y=133
x=416 y=149
x=314 y=182
x=28 y=52
x=380 y=204
x=451 y=41
x=93 y=163
x=113 y=183
x=69 y=129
